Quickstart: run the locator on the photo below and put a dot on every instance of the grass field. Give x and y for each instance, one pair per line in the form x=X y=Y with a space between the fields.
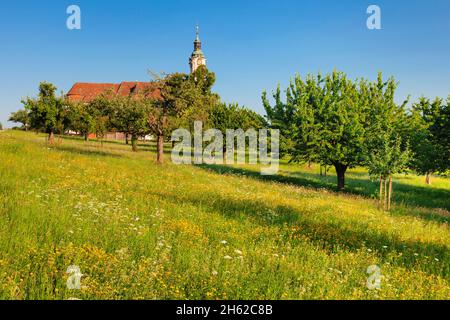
x=142 y=231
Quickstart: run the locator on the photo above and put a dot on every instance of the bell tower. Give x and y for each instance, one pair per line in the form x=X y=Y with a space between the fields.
x=197 y=58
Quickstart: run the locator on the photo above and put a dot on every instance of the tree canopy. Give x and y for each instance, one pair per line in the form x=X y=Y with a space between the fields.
x=336 y=121
x=47 y=111
x=21 y=116
x=430 y=136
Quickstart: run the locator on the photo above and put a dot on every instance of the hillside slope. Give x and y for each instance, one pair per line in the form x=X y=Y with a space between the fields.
x=142 y=231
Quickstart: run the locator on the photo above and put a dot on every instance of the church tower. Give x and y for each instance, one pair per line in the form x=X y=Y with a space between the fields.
x=197 y=58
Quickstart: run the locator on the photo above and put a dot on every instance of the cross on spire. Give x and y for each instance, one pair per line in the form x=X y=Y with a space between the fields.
x=197 y=32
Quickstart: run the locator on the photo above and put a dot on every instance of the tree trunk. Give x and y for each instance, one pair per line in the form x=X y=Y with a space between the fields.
x=86 y=137
x=381 y=192
x=428 y=178
x=321 y=170
x=60 y=135
x=340 y=171
x=160 y=149
x=51 y=137
x=134 y=146
x=325 y=174
x=390 y=193
x=385 y=193
x=126 y=138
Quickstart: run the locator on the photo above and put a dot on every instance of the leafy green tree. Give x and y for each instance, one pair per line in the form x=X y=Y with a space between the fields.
x=232 y=116
x=280 y=117
x=307 y=130
x=47 y=112
x=339 y=122
x=387 y=153
x=429 y=123
x=128 y=114
x=100 y=111
x=387 y=159
x=204 y=80
x=225 y=116
x=171 y=104
x=22 y=117
x=335 y=121
x=441 y=131
x=81 y=119
x=93 y=116
x=201 y=100
x=183 y=99
x=327 y=122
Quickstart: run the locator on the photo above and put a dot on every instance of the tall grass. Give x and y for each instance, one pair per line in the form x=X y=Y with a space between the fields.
x=142 y=231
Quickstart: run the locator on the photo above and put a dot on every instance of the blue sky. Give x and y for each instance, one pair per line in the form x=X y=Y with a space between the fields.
x=250 y=45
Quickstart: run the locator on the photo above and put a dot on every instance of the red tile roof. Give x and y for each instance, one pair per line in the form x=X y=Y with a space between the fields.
x=85 y=92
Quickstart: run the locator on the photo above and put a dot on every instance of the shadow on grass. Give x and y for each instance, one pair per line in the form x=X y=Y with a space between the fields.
x=407 y=195
x=88 y=152
x=81 y=139
x=95 y=148
x=167 y=149
x=423 y=196
x=295 y=226
x=142 y=146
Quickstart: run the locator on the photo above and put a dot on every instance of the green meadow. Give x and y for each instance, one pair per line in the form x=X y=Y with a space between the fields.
x=138 y=230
